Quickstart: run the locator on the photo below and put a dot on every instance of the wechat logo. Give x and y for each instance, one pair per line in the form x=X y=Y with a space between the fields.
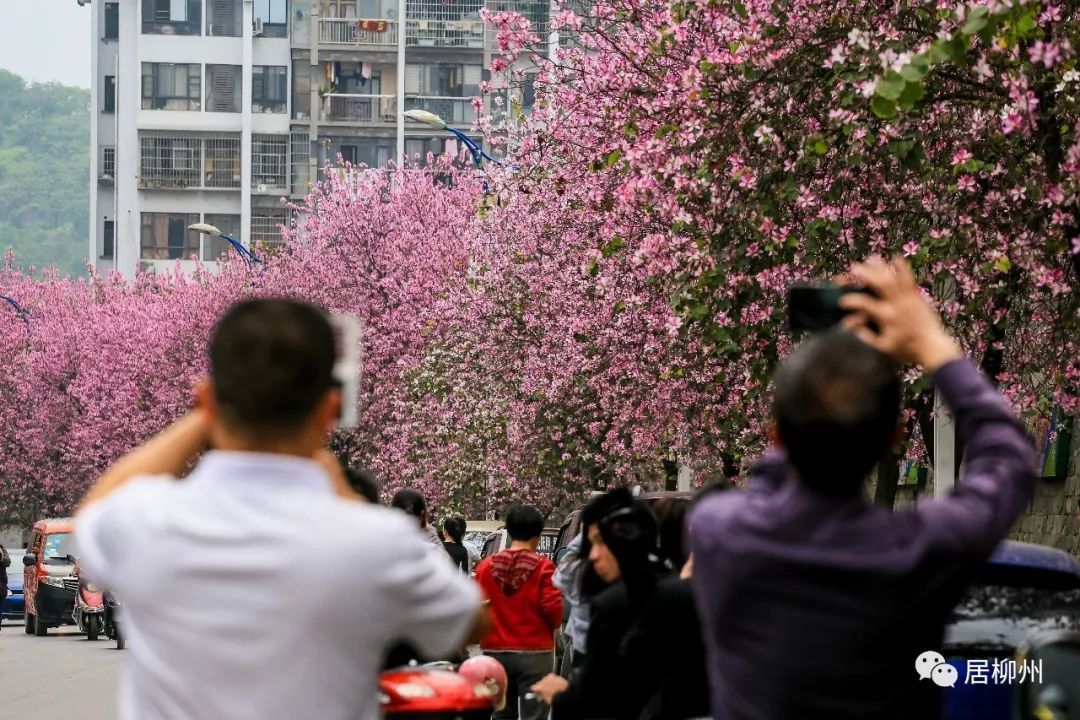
x=931 y=665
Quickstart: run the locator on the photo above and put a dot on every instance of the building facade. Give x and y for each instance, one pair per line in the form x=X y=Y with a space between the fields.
x=217 y=110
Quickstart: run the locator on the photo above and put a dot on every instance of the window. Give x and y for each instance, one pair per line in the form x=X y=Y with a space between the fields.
x=112 y=21
x=222 y=168
x=436 y=80
x=348 y=154
x=168 y=86
x=224 y=88
x=171 y=17
x=107 y=238
x=164 y=236
x=415 y=147
x=213 y=248
x=60 y=547
x=224 y=18
x=269 y=156
x=179 y=160
x=108 y=162
x=269 y=85
x=301 y=77
x=273 y=16
x=110 y=94
x=300 y=159
x=169 y=161
x=265 y=227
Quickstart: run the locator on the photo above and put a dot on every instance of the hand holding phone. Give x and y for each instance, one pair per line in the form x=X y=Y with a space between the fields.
x=814 y=308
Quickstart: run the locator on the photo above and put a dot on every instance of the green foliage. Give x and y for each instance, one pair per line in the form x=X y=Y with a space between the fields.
x=44 y=173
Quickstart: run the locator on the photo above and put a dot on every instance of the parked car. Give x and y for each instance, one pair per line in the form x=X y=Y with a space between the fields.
x=500 y=540
x=48 y=584
x=11 y=608
x=1022 y=594
x=477 y=533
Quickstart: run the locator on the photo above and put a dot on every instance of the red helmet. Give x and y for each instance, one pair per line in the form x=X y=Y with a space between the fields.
x=489 y=672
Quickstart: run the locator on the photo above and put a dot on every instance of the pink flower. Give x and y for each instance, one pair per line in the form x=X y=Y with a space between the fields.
x=960 y=157
x=965 y=183
x=1010 y=122
x=910 y=248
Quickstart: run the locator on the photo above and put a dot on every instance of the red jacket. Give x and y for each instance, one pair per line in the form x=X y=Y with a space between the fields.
x=526 y=607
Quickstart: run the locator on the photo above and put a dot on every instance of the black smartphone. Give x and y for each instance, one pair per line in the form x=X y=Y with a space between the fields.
x=812 y=308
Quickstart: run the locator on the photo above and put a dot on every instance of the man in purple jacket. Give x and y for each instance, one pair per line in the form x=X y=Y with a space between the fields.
x=816 y=604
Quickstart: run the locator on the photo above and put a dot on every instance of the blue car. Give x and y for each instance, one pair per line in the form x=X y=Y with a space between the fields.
x=1024 y=591
x=11 y=608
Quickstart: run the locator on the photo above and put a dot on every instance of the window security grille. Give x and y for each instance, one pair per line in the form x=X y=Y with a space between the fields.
x=269 y=160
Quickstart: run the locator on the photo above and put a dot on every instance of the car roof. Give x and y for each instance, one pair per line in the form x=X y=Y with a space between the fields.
x=487 y=526
x=55 y=525
x=1012 y=553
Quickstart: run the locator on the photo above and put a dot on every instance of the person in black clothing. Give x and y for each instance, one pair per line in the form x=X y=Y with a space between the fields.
x=669 y=630
x=621 y=534
x=455 y=531
x=5 y=561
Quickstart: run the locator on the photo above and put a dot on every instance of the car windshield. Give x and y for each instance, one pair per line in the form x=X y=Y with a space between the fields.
x=59 y=549
x=997 y=618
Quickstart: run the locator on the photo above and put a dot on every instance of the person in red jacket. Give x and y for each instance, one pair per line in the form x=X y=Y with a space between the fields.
x=526 y=609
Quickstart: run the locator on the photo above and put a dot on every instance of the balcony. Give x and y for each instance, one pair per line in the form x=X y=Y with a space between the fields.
x=445 y=33
x=454 y=110
x=368 y=109
x=353 y=32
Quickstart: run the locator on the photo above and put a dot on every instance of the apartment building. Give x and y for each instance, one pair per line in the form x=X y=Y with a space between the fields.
x=215 y=110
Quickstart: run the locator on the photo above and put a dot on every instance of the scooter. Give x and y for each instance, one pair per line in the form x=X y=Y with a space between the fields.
x=435 y=692
x=112 y=625
x=89 y=612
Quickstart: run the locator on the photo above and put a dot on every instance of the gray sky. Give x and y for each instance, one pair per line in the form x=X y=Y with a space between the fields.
x=46 y=40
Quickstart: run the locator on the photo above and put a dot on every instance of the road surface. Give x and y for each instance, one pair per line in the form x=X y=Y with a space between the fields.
x=59 y=676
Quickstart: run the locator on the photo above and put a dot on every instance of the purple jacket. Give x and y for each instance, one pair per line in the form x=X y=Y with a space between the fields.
x=817 y=607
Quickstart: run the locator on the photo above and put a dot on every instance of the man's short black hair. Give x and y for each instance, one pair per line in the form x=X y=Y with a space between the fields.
x=524 y=522
x=271 y=363
x=410 y=501
x=836 y=404
x=364 y=483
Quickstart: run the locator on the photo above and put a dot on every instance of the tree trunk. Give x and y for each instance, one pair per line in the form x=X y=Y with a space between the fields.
x=888 y=477
x=671 y=475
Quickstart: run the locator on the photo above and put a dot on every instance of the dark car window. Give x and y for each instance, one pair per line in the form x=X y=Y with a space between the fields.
x=59 y=548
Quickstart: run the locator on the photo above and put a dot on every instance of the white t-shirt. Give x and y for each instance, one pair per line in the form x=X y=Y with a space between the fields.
x=250 y=591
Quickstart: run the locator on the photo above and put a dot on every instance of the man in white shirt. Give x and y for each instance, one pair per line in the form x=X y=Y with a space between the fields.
x=260 y=587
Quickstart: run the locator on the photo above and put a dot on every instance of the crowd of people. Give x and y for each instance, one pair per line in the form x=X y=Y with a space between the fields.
x=792 y=598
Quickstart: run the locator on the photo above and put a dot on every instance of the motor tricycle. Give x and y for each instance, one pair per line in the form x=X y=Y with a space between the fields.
x=436 y=692
x=89 y=610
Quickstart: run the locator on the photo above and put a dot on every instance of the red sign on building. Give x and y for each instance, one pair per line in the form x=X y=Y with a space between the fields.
x=372 y=25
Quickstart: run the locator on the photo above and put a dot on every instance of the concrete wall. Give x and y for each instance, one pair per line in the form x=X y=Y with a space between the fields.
x=1051 y=518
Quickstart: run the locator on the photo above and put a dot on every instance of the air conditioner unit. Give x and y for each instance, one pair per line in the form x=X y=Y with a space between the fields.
x=257 y=27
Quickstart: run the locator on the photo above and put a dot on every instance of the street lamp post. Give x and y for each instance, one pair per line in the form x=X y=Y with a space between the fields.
x=19 y=309
x=430 y=118
x=207 y=229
